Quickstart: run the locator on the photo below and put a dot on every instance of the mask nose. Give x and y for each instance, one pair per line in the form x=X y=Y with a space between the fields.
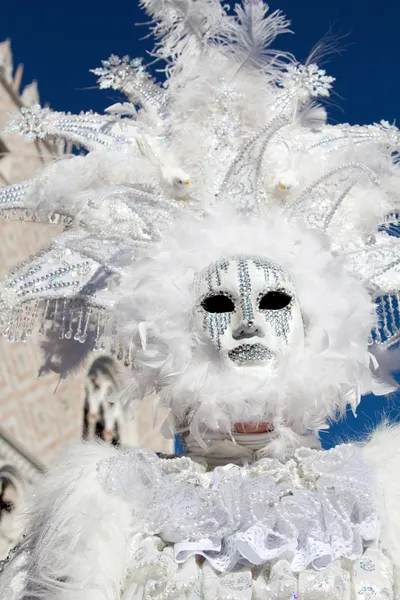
x=246 y=330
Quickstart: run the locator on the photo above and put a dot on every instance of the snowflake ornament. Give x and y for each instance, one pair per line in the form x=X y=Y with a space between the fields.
x=130 y=77
x=115 y=71
x=31 y=122
x=307 y=81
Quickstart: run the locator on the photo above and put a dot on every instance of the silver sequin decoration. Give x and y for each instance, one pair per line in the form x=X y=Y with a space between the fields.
x=275 y=277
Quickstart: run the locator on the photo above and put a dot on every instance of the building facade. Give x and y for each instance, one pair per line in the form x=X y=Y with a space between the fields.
x=39 y=415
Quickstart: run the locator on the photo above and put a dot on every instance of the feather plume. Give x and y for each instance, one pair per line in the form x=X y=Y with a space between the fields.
x=238 y=139
x=182 y=26
x=251 y=34
x=312 y=117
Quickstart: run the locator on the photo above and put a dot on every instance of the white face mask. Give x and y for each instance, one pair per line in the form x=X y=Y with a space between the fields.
x=247 y=308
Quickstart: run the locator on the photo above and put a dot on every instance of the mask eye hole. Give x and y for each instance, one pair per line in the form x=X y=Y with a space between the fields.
x=274 y=301
x=218 y=304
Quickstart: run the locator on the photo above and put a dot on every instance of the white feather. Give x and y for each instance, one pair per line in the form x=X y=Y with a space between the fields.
x=250 y=36
x=202 y=393
x=382 y=453
x=183 y=26
x=313 y=117
x=78 y=532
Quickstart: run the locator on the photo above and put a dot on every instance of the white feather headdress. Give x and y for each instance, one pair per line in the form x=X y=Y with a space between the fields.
x=229 y=155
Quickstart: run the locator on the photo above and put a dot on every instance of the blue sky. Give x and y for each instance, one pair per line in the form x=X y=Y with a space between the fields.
x=59 y=42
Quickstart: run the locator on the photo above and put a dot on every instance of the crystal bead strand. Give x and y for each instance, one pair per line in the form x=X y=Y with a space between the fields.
x=44 y=317
x=63 y=319
x=69 y=332
x=14 y=324
x=83 y=337
x=7 y=322
x=78 y=332
x=20 y=334
x=386 y=331
x=378 y=327
x=392 y=315
x=396 y=297
x=55 y=316
x=33 y=316
x=97 y=342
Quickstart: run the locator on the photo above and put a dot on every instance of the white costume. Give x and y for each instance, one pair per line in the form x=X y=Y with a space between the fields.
x=240 y=257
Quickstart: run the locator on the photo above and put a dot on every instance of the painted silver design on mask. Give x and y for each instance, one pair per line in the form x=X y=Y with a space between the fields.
x=247 y=298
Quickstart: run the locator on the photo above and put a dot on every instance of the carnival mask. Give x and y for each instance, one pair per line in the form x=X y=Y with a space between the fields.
x=247 y=308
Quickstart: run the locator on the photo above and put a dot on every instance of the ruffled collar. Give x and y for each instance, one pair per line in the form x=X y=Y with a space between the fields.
x=311 y=510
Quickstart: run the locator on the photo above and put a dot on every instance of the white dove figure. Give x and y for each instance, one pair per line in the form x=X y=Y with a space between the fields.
x=173 y=179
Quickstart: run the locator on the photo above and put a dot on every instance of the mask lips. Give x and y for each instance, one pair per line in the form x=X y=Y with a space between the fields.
x=250 y=354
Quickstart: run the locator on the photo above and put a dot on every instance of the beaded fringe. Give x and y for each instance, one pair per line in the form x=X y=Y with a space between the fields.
x=387 y=330
x=71 y=319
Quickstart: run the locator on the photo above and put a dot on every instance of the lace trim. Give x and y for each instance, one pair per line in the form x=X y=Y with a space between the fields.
x=313 y=509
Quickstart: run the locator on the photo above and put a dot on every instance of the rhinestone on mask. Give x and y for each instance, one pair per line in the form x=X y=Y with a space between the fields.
x=216 y=324
x=250 y=353
x=279 y=319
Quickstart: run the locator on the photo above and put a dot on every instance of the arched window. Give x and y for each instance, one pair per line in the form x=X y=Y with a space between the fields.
x=103 y=415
